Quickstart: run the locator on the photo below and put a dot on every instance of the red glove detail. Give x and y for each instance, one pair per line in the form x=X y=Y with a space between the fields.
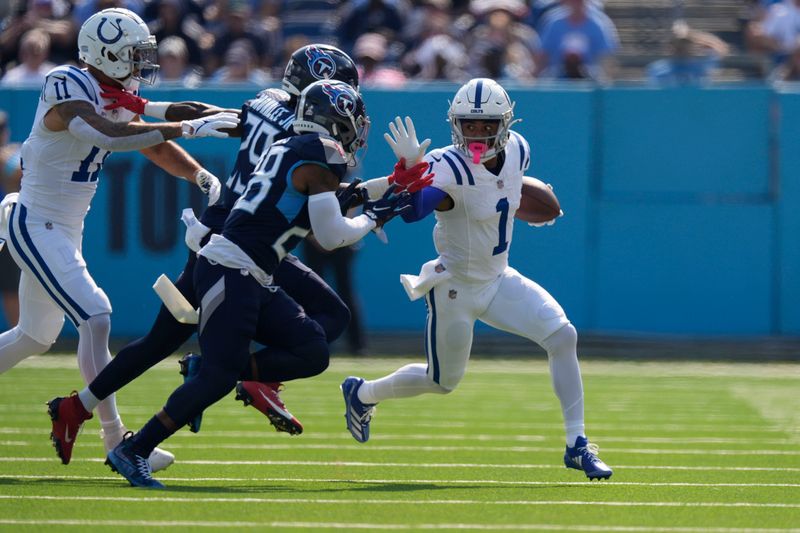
x=123 y=98
x=410 y=179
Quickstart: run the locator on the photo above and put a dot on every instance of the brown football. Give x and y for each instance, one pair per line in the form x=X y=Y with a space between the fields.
x=538 y=202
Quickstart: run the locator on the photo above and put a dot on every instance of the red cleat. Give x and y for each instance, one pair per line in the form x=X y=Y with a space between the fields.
x=265 y=398
x=68 y=416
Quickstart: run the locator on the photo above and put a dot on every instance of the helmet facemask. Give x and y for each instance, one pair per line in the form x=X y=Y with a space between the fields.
x=118 y=43
x=481 y=99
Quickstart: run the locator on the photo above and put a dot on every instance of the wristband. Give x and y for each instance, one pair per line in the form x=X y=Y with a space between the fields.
x=157 y=109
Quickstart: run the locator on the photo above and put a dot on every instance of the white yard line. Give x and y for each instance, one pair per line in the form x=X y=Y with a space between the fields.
x=404 y=448
x=360 y=501
x=577 y=483
x=513 y=466
x=376 y=526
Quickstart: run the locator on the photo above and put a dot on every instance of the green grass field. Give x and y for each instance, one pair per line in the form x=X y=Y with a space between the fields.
x=695 y=447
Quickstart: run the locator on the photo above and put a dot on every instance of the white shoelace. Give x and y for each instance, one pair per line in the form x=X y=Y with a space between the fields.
x=143 y=466
x=368 y=414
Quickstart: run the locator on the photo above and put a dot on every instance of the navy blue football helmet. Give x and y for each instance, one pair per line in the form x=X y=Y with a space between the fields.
x=318 y=62
x=335 y=109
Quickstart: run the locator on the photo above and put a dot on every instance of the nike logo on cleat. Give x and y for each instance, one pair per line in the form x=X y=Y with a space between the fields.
x=66 y=436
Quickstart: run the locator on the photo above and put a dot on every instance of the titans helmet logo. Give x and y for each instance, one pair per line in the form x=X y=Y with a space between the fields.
x=342 y=100
x=320 y=64
x=117 y=26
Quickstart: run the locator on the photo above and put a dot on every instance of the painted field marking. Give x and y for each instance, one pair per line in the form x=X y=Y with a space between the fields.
x=493 y=466
x=359 y=501
x=375 y=526
x=427 y=481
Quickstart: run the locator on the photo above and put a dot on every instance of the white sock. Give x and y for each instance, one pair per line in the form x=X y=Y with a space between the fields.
x=410 y=380
x=93 y=356
x=16 y=346
x=88 y=399
x=565 y=372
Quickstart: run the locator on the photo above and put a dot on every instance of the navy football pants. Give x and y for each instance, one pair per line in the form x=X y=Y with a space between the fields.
x=167 y=335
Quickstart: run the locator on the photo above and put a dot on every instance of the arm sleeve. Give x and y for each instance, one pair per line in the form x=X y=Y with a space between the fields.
x=424 y=202
x=330 y=228
x=86 y=133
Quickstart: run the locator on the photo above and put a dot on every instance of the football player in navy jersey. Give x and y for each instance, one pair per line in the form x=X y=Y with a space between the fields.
x=263 y=121
x=291 y=193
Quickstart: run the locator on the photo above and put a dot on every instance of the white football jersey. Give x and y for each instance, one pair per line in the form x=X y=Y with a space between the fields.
x=60 y=172
x=474 y=237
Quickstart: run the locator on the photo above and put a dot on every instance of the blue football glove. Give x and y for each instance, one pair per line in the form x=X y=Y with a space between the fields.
x=349 y=196
x=388 y=206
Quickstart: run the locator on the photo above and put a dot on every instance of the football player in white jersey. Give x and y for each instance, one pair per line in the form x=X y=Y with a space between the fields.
x=475 y=193
x=71 y=137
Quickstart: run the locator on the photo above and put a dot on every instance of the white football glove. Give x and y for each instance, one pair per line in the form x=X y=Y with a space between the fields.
x=195 y=230
x=209 y=184
x=210 y=126
x=403 y=142
x=549 y=222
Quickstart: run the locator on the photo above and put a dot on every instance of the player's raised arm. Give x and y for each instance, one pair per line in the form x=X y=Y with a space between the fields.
x=168 y=111
x=82 y=121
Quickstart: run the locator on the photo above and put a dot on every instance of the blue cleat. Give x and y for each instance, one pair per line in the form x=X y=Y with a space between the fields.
x=583 y=456
x=357 y=414
x=133 y=467
x=190 y=367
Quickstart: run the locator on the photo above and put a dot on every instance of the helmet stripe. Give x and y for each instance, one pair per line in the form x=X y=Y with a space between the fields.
x=478 y=91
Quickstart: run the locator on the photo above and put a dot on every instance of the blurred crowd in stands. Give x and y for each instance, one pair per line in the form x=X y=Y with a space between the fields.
x=247 y=42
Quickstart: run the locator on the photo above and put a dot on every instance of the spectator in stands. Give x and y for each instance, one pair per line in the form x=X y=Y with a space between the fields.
x=10 y=176
x=694 y=56
x=500 y=46
x=369 y=53
x=315 y=19
x=778 y=32
x=578 y=42
x=50 y=16
x=86 y=8
x=173 y=56
x=240 y=67
x=440 y=57
x=426 y=19
x=239 y=26
x=789 y=70
x=173 y=22
x=370 y=16
x=33 y=52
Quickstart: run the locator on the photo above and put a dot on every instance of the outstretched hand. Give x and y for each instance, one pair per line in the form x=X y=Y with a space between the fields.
x=410 y=179
x=349 y=196
x=388 y=206
x=403 y=141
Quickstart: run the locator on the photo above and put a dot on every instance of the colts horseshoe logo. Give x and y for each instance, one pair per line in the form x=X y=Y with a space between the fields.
x=116 y=25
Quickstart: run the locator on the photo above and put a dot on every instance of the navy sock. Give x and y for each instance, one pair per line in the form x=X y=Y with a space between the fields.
x=151 y=435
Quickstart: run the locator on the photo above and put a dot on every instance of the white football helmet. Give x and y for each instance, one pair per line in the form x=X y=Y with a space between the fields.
x=481 y=99
x=118 y=43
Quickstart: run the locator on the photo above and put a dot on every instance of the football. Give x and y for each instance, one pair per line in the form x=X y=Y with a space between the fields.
x=538 y=203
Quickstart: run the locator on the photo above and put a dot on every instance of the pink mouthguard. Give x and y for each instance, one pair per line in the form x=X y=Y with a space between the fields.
x=477 y=149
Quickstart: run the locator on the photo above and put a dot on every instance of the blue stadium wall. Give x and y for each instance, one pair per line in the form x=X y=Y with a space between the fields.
x=682 y=209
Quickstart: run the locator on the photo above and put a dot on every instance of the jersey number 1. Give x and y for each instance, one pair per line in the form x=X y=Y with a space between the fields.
x=502 y=208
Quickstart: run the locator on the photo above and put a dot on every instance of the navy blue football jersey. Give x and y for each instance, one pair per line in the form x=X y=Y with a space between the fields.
x=265 y=119
x=271 y=217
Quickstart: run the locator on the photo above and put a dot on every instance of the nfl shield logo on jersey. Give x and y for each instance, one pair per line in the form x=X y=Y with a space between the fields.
x=320 y=64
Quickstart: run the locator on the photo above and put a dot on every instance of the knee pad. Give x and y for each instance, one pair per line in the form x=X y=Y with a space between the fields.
x=340 y=318
x=563 y=340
